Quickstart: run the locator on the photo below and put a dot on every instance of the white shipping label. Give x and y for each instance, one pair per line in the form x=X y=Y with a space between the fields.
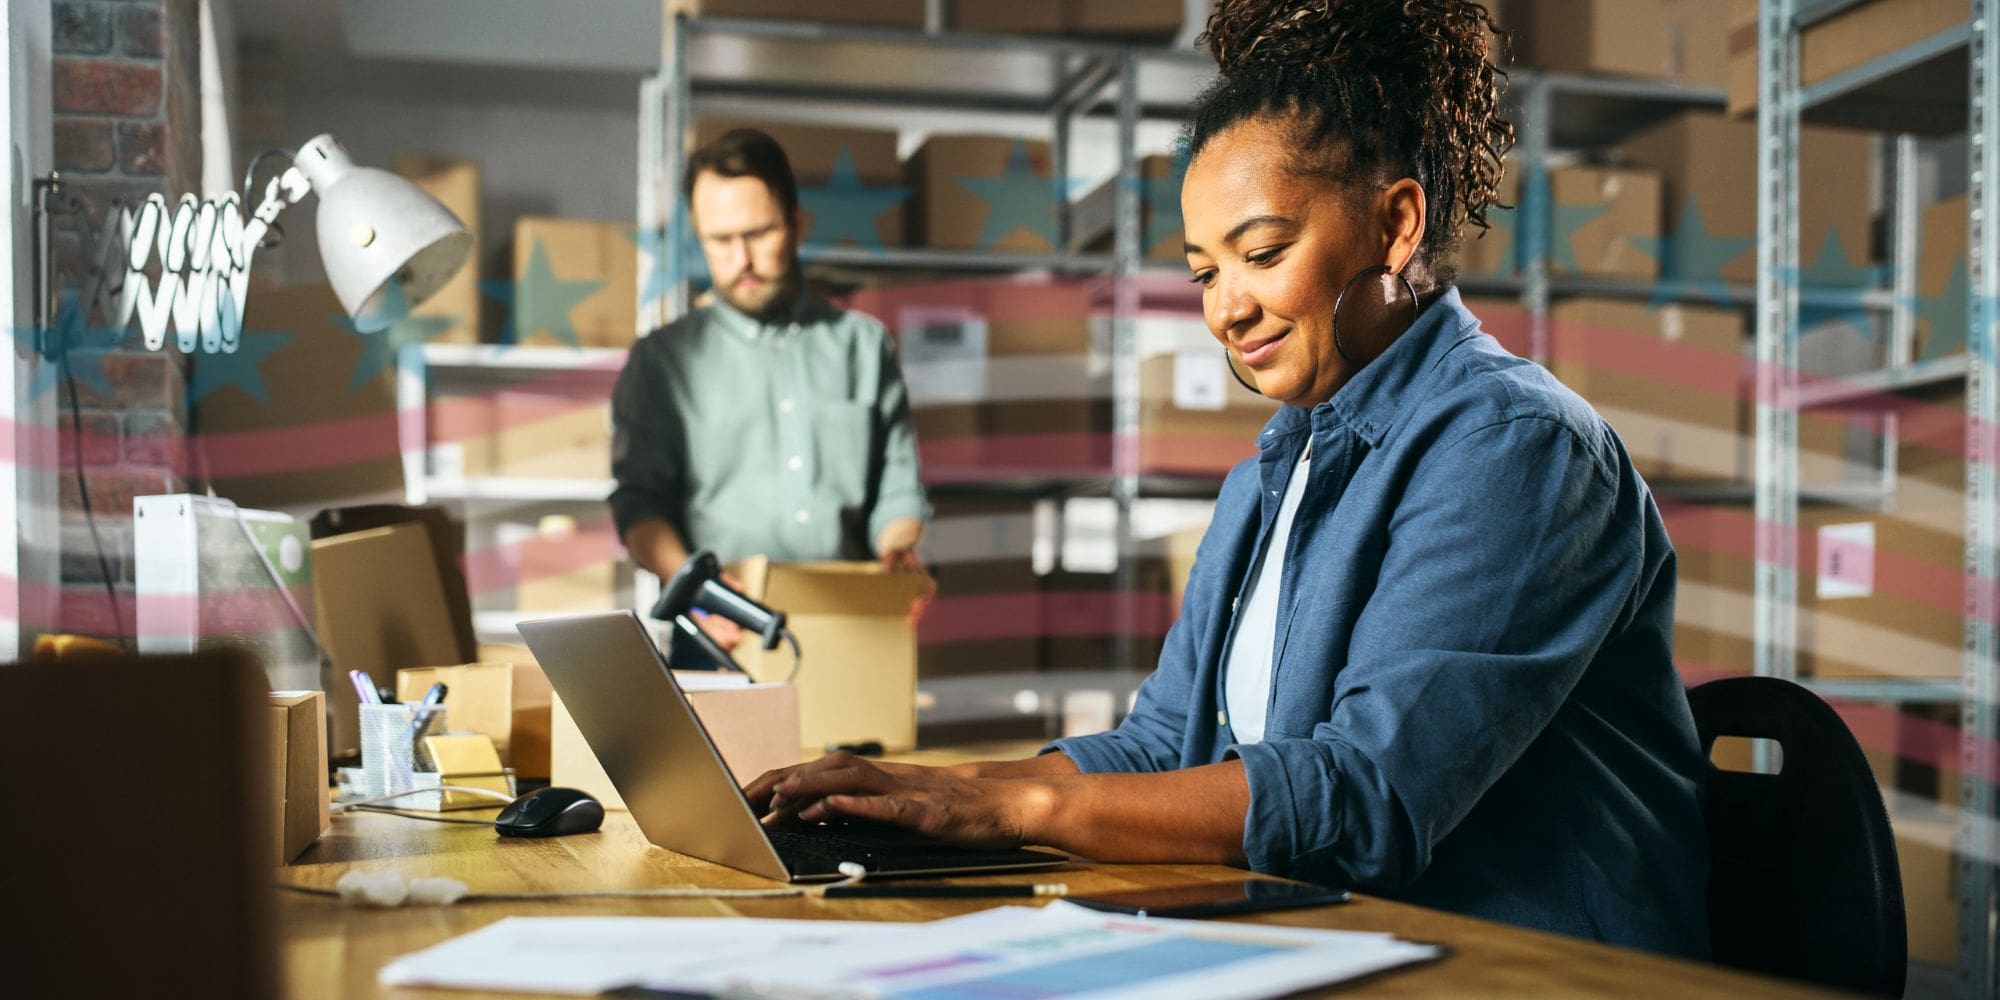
x=948 y=348
x=447 y=461
x=1847 y=560
x=1201 y=381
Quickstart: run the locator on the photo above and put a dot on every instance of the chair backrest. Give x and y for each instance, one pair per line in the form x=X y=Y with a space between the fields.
x=1803 y=879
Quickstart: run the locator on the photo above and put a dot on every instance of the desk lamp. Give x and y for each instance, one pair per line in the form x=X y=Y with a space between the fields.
x=386 y=246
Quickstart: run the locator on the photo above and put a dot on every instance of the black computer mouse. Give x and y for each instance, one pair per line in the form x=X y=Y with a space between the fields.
x=550 y=812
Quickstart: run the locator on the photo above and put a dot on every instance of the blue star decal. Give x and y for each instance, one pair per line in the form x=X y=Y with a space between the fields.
x=76 y=343
x=1163 y=201
x=652 y=246
x=380 y=348
x=1017 y=199
x=1834 y=271
x=1692 y=259
x=845 y=209
x=1949 y=315
x=1500 y=226
x=209 y=372
x=548 y=300
x=1567 y=221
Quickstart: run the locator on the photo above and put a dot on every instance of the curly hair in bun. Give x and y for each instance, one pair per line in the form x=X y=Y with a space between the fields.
x=1375 y=90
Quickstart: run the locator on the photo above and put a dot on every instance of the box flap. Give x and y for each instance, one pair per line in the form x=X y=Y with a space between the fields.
x=853 y=588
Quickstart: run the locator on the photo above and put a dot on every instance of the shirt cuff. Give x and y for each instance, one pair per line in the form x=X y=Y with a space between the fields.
x=1271 y=827
x=1096 y=753
x=889 y=510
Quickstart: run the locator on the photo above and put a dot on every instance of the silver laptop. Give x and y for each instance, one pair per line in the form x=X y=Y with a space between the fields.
x=616 y=685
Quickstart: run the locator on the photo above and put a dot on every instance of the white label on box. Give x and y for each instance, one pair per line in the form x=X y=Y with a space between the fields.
x=1201 y=381
x=1847 y=560
x=447 y=461
x=948 y=347
x=1673 y=324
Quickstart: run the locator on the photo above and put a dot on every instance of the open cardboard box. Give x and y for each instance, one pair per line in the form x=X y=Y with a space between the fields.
x=753 y=726
x=857 y=676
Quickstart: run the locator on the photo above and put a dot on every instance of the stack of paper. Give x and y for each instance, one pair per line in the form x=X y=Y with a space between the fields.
x=1056 y=951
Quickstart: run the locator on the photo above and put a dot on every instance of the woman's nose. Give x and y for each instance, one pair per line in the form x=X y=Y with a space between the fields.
x=1229 y=307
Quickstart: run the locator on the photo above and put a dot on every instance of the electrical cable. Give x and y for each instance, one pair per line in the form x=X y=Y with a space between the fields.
x=796 y=658
x=83 y=491
x=274 y=235
x=386 y=811
x=389 y=889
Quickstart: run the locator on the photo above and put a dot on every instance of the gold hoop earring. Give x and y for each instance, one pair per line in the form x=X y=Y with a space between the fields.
x=1342 y=297
x=1229 y=362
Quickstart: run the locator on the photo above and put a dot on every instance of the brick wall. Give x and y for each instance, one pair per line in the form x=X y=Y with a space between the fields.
x=127 y=124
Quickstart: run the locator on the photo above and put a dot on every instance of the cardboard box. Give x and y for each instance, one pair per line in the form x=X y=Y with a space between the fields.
x=299 y=785
x=1714 y=595
x=1493 y=252
x=455 y=184
x=1605 y=221
x=1943 y=279
x=1708 y=184
x=878 y=13
x=1194 y=419
x=986 y=617
x=576 y=283
x=1081 y=616
x=447 y=537
x=1848 y=39
x=478 y=696
x=1878 y=597
x=1667 y=379
x=1506 y=320
x=857 y=677
x=980 y=192
x=559 y=569
x=304 y=414
x=1926 y=850
x=1093 y=218
x=527 y=435
x=865 y=206
x=1679 y=41
x=140 y=857
x=1132 y=20
x=754 y=728
x=528 y=743
x=380 y=608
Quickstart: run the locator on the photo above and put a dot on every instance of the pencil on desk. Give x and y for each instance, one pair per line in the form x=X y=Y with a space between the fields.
x=945 y=893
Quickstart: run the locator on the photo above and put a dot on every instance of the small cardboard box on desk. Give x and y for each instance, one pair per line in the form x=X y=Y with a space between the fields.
x=857 y=674
x=298 y=755
x=754 y=727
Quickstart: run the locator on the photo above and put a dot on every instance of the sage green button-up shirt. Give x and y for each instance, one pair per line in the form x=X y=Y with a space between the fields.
x=791 y=439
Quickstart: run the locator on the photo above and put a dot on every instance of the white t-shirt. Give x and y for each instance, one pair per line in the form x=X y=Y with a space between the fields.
x=1246 y=679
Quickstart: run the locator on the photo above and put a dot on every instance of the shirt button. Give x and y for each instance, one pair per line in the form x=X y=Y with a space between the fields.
x=802 y=517
x=795 y=463
x=784 y=406
x=1222 y=718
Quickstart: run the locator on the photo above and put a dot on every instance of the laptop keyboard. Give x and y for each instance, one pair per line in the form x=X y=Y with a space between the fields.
x=819 y=850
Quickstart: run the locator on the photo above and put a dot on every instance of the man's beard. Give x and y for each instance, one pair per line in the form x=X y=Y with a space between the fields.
x=780 y=294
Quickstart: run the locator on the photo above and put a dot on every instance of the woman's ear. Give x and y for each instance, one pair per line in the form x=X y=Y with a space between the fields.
x=1404 y=208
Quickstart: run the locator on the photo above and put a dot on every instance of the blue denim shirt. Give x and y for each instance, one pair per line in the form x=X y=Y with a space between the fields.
x=1473 y=700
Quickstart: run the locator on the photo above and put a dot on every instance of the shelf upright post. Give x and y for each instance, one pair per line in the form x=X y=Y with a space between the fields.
x=1536 y=212
x=1125 y=371
x=413 y=423
x=1978 y=845
x=1777 y=486
x=655 y=198
x=1903 y=236
x=1059 y=143
x=673 y=160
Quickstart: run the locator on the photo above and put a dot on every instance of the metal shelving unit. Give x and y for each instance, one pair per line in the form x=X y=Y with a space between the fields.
x=1903 y=86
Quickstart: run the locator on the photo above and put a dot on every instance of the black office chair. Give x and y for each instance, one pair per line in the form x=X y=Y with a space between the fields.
x=1803 y=880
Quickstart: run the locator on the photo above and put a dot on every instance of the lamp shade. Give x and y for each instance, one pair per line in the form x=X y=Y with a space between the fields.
x=386 y=245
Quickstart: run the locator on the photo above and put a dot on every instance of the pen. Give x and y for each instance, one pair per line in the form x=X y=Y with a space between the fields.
x=364 y=687
x=420 y=716
x=944 y=891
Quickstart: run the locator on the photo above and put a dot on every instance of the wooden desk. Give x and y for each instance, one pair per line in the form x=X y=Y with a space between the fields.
x=332 y=950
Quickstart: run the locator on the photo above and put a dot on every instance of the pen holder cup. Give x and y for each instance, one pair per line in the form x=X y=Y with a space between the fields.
x=391 y=738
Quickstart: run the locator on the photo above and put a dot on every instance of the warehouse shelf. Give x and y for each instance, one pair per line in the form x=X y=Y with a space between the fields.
x=1943 y=83
x=519 y=489
x=1890 y=690
x=933 y=259
x=1870 y=385
x=481 y=357
x=1845 y=495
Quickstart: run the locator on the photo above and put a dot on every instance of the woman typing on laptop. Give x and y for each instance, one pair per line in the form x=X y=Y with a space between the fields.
x=1423 y=651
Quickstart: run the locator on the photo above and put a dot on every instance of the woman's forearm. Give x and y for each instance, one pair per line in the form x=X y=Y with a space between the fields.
x=1191 y=815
